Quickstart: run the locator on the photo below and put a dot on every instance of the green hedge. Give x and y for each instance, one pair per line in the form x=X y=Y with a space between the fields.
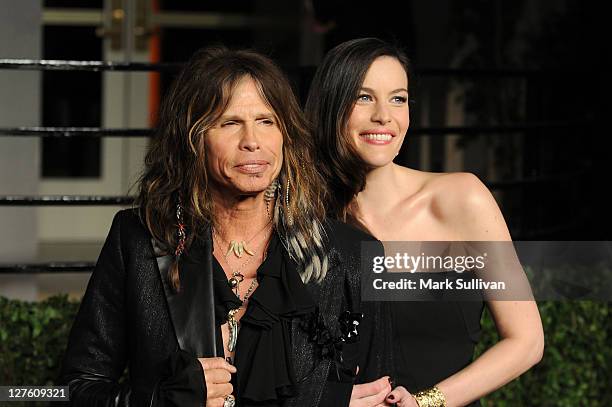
x=573 y=372
x=33 y=339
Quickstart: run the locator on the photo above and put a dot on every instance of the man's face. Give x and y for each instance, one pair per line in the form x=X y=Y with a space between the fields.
x=245 y=146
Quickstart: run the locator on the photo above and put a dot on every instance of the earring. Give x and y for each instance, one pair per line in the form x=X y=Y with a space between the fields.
x=289 y=217
x=270 y=194
x=271 y=191
x=181 y=230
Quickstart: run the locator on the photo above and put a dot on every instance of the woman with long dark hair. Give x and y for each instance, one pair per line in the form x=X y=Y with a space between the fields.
x=358 y=106
x=226 y=285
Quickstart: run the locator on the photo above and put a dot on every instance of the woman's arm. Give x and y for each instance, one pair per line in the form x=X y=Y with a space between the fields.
x=373 y=380
x=520 y=347
x=474 y=214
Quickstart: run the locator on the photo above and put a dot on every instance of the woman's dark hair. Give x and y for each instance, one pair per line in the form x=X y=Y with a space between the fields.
x=175 y=164
x=331 y=99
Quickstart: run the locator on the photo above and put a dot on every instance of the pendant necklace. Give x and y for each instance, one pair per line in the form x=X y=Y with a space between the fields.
x=234 y=283
x=232 y=322
x=239 y=247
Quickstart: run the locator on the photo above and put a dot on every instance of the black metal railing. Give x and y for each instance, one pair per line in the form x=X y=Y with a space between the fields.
x=96 y=132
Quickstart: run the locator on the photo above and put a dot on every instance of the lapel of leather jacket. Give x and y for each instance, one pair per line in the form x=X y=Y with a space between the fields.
x=192 y=310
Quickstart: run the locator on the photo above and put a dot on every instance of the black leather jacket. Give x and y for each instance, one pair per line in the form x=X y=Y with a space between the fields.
x=130 y=317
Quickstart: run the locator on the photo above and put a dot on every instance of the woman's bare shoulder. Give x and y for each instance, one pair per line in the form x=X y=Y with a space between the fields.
x=458 y=184
x=439 y=185
x=461 y=203
x=421 y=180
x=471 y=208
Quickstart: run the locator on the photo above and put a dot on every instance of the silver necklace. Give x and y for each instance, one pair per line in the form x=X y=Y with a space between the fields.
x=234 y=283
x=232 y=322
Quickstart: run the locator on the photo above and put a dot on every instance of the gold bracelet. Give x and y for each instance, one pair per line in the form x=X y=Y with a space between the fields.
x=432 y=397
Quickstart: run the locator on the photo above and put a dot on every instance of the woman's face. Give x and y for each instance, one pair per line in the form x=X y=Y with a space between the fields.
x=379 y=120
x=245 y=146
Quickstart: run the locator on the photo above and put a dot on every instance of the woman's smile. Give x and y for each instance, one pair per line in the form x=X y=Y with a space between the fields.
x=377 y=136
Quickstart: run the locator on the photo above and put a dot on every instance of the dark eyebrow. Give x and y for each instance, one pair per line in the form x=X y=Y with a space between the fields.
x=233 y=118
x=237 y=118
x=393 y=91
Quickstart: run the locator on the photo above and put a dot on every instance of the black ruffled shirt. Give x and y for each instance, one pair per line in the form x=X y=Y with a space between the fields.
x=263 y=356
x=265 y=376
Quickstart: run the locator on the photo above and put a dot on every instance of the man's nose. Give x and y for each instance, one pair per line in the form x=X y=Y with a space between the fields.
x=249 y=138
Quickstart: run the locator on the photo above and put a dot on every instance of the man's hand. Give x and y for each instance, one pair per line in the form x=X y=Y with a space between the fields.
x=371 y=394
x=217 y=374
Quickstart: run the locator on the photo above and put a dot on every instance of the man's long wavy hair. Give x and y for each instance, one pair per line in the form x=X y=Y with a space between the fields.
x=176 y=161
x=330 y=102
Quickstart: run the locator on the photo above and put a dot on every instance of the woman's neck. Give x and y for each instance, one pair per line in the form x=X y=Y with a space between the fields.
x=382 y=189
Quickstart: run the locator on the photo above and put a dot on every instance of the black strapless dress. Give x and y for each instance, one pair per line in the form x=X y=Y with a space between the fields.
x=433 y=340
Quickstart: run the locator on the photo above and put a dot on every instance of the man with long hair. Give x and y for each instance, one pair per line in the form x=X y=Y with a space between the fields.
x=227 y=283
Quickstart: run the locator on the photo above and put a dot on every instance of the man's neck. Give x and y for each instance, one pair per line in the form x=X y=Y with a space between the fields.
x=239 y=217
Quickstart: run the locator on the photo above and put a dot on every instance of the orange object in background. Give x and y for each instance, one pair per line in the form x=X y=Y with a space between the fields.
x=154 y=77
